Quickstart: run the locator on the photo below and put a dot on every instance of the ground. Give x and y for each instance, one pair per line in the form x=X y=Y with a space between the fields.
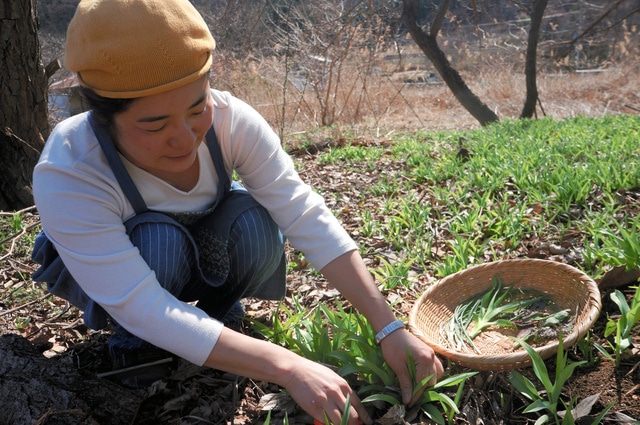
x=196 y=395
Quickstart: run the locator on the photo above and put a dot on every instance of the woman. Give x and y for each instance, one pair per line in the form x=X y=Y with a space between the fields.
x=140 y=217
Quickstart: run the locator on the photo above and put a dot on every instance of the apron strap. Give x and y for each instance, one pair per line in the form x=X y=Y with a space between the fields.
x=115 y=162
x=126 y=182
x=216 y=155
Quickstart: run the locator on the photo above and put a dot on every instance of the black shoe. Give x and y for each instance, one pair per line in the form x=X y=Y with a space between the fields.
x=140 y=368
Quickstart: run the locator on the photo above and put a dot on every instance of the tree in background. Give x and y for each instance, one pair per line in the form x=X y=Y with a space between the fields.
x=429 y=45
x=414 y=11
x=23 y=96
x=530 y=71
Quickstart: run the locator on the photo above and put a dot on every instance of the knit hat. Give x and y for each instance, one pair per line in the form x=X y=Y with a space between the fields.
x=133 y=48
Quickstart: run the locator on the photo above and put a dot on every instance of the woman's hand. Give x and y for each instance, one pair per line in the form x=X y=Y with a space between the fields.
x=395 y=349
x=319 y=391
x=316 y=388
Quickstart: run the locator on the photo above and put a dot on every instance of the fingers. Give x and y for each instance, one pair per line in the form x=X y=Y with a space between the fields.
x=427 y=374
x=324 y=394
x=402 y=348
x=357 y=415
x=363 y=416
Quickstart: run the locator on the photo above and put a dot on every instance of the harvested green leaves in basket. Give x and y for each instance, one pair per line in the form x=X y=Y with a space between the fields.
x=529 y=313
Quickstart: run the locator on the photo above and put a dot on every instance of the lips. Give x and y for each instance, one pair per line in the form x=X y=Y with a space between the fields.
x=179 y=157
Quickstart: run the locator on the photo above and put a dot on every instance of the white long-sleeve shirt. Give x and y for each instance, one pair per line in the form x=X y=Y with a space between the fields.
x=82 y=209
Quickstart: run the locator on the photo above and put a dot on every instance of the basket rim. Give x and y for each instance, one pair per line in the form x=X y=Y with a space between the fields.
x=507 y=360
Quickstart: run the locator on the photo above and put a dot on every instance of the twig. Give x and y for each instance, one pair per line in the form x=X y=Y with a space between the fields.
x=15 y=237
x=41 y=298
x=22 y=211
x=632 y=390
x=50 y=413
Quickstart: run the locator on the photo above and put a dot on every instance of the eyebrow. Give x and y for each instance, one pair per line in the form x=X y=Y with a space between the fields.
x=163 y=117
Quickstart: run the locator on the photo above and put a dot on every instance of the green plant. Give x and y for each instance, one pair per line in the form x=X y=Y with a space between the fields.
x=391 y=274
x=16 y=222
x=463 y=251
x=345 y=340
x=630 y=244
x=335 y=337
x=499 y=306
x=437 y=395
x=548 y=400
x=585 y=347
x=622 y=327
x=613 y=243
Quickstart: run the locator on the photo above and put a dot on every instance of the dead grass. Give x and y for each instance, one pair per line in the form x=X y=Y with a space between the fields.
x=387 y=98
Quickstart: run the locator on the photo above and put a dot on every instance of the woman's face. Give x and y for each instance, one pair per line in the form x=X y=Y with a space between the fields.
x=161 y=133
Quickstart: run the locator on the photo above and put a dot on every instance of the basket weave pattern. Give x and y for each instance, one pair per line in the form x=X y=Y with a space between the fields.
x=566 y=286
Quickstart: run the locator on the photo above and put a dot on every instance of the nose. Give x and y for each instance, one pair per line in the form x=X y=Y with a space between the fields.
x=183 y=134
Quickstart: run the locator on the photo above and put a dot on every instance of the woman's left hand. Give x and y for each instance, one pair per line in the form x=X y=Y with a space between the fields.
x=396 y=348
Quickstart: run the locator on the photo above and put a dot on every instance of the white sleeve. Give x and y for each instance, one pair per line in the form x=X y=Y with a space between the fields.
x=82 y=210
x=253 y=150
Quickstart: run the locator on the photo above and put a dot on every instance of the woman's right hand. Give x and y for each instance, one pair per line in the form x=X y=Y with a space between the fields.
x=316 y=388
x=319 y=391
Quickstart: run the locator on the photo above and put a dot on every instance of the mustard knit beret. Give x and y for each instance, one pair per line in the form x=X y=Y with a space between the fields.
x=134 y=48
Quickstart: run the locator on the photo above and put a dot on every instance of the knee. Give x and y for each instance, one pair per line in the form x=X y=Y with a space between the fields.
x=254 y=232
x=168 y=252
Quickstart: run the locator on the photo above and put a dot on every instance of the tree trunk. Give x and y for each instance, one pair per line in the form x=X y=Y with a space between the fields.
x=23 y=88
x=529 y=108
x=35 y=389
x=451 y=77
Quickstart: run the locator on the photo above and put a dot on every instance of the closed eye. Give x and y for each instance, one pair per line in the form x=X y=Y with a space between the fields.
x=155 y=130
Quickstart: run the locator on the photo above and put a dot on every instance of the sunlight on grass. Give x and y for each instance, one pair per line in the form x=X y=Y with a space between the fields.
x=523 y=180
x=574 y=183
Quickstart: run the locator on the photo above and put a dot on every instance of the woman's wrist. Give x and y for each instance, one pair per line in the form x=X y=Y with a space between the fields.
x=388 y=330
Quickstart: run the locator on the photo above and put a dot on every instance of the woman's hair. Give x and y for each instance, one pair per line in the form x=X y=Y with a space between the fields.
x=104 y=108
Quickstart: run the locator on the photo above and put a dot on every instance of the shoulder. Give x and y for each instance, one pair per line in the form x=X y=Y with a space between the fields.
x=233 y=115
x=71 y=141
x=72 y=161
x=223 y=99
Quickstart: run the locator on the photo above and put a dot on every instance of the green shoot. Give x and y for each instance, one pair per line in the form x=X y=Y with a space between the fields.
x=621 y=328
x=495 y=308
x=548 y=400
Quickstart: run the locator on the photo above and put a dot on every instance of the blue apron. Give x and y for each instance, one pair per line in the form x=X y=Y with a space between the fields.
x=201 y=228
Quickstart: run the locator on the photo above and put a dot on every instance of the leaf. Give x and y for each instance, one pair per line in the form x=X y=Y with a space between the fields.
x=524 y=385
x=395 y=415
x=603 y=351
x=387 y=398
x=617 y=277
x=179 y=402
x=277 y=401
x=542 y=420
x=621 y=301
x=538 y=405
x=583 y=408
x=566 y=373
x=433 y=413
x=454 y=380
x=539 y=368
x=610 y=327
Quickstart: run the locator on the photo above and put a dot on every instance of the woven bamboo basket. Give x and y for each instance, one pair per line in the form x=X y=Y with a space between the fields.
x=566 y=286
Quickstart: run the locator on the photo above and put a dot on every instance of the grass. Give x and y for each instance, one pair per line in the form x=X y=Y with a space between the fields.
x=525 y=180
x=527 y=183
